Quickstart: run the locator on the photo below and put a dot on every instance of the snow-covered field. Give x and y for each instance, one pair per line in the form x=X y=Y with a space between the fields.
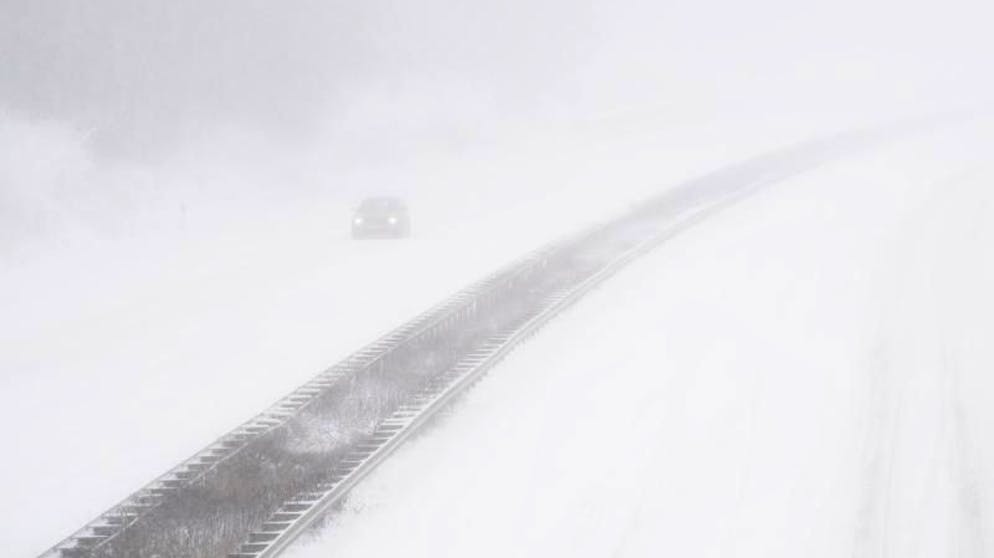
x=806 y=374
x=802 y=375
x=124 y=355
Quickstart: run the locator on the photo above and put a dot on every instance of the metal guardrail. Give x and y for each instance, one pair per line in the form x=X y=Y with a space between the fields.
x=110 y=524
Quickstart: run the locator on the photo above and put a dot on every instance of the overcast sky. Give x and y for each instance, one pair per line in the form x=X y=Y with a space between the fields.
x=135 y=68
x=146 y=75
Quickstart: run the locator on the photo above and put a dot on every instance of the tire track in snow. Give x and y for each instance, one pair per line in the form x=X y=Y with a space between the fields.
x=964 y=465
x=891 y=408
x=876 y=459
x=966 y=462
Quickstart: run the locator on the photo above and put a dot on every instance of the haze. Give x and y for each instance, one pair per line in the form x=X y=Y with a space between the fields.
x=785 y=207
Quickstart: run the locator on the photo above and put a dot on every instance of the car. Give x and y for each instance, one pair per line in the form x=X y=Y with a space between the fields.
x=381 y=217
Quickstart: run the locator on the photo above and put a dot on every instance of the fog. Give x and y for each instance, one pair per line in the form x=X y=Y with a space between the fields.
x=115 y=106
x=179 y=181
x=140 y=77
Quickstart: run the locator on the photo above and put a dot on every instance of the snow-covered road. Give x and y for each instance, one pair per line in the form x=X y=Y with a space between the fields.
x=806 y=374
x=740 y=380
x=121 y=361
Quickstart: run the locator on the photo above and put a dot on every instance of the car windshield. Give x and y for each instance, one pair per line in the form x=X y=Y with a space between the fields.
x=381 y=205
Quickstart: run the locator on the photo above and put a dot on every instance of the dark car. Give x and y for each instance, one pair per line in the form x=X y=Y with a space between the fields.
x=382 y=217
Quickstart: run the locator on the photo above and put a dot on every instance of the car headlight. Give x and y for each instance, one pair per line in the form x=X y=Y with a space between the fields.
x=392 y=220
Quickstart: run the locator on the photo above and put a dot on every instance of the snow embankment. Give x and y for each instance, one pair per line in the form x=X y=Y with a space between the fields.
x=806 y=374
